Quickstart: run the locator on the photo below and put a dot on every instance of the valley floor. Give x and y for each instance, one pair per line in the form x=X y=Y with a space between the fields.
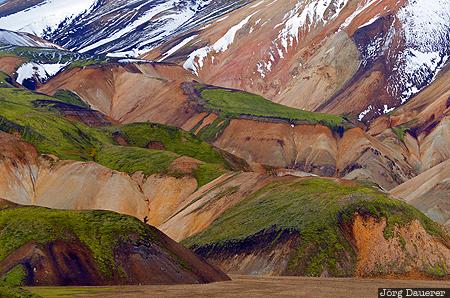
x=249 y=286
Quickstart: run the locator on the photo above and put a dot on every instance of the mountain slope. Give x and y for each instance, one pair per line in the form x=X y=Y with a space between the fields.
x=429 y=192
x=335 y=56
x=119 y=27
x=136 y=163
x=24 y=40
x=48 y=247
x=190 y=187
x=244 y=124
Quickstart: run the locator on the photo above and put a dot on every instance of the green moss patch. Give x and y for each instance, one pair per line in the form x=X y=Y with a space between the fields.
x=70 y=98
x=173 y=139
x=400 y=131
x=131 y=159
x=8 y=291
x=16 y=276
x=236 y=104
x=206 y=173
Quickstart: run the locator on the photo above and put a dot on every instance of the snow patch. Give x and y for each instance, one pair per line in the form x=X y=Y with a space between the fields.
x=370 y=22
x=40 y=71
x=195 y=59
x=128 y=61
x=426 y=29
x=361 y=7
x=307 y=16
x=46 y=16
x=177 y=47
x=365 y=112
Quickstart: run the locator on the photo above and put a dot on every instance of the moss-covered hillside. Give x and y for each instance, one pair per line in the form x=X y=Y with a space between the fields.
x=90 y=248
x=318 y=210
x=45 y=126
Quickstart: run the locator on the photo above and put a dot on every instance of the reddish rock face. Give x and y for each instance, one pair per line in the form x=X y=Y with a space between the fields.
x=56 y=263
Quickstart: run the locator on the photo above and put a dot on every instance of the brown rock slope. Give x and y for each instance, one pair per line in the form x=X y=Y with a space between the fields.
x=9 y=64
x=316 y=149
x=43 y=247
x=395 y=148
x=421 y=126
x=429 y=192
x=419 y=131
x=122 y=168
x=29 y=178
x=130 y=92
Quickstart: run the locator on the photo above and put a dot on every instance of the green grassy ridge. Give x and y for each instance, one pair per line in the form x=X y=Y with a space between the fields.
x=52 y=133
x=234 y=104
x=316 y=208
x=70 y=98
x=131 y=160
x=206 y=173
x=100 y=231
x=5 y=80
x=211 y=132
x=57 y=135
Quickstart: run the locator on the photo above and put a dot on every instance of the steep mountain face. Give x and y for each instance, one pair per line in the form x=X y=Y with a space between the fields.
x=356 y=219
x=58 y=248
x=134 y=164
x=419 y=130
x=429 y=192
x=335 y=56
x=395 y=148
x=119 y=27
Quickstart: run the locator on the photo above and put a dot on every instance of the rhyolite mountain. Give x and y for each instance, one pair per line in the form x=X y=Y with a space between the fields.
x=271 y=137
x=116 y=27
x=190 y=189
x=362 y=57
